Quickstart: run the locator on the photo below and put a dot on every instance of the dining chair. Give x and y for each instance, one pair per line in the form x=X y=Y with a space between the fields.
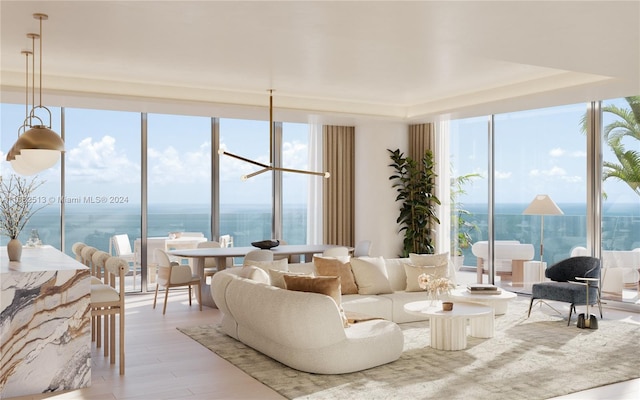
x=76 y=248
x=362 y=249
x=210 y=266
x=122 y=248
x=171 y=274
x=98 y=260
x=293 y=258
x=107 y=300
x=336 y=252
x=258 y=255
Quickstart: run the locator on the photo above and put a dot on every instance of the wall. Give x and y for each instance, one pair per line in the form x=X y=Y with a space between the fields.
x=376 y=209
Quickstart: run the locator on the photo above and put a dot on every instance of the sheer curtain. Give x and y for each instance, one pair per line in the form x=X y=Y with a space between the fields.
x=338 y=191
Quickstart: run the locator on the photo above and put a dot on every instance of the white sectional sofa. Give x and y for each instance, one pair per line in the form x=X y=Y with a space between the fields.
x=302 y=330
x=305 y=331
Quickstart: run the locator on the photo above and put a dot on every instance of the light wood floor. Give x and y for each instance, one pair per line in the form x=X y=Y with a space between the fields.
x=163 y=363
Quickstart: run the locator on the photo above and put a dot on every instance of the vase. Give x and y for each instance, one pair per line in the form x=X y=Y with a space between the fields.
x=14 y=250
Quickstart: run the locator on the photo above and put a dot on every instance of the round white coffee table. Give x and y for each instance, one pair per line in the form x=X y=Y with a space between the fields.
x=449 y=328
x=498 y=302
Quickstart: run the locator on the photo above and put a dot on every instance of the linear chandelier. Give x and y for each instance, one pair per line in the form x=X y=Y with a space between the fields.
x=39 y=147
x=270 y=166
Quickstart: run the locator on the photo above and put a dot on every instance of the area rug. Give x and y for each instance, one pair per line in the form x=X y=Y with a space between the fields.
x=534 y=358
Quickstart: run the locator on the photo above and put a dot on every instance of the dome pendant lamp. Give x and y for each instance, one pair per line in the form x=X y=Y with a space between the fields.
x=39 y=148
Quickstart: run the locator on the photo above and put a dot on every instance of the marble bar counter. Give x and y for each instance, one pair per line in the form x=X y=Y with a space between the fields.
x=45 y=323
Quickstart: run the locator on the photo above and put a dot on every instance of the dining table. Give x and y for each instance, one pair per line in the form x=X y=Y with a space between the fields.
x=221 y=254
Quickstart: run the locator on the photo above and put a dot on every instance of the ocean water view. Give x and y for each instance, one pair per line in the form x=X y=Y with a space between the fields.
x=95 y=224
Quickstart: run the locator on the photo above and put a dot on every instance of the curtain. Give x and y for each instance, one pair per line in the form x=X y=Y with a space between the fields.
x=338 y=190
x=421 y=138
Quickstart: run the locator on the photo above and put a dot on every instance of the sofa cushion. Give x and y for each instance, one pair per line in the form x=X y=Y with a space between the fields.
x=337 y=266
x=371 y=275
x=327 y=285
x=254 y=273
x=395 y=272
x=280 y=265
x=277 y=277
x=429 y=259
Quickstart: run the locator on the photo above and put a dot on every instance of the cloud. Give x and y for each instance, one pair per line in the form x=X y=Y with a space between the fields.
x=557 y=152
x=502 y=175
x=555 y=172
x=100 y=162
x=168 y=166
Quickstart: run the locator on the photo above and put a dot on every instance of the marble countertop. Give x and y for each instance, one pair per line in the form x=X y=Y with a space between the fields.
x=35 y=259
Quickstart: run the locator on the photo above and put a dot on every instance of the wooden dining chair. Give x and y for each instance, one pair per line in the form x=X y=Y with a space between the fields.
x=107 y=299
x=171 y=274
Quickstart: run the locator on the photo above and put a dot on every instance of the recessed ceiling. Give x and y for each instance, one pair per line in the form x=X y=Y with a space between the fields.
x=400 y=60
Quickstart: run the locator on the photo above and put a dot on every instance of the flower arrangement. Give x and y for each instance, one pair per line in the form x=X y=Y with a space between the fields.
x=17 y=204
x=435 y=287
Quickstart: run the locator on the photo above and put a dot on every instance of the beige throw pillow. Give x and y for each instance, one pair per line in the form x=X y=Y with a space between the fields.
x=429 y=259
x=337 y=266
x=371 y=275
x=327 y=285
x=277 y=277
x=280 y=265
x=414 y=271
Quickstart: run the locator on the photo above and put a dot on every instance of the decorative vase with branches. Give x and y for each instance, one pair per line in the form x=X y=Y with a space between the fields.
x=17 y=206
x=415 y=183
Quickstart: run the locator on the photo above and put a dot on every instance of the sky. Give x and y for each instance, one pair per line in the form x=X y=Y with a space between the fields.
x=537 y=151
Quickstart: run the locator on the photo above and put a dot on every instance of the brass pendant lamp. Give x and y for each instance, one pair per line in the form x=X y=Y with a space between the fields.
x=38 y=148
x=270 y=167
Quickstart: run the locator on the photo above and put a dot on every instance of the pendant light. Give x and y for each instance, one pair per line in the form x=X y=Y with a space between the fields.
x=39 y=147
x=270 y=167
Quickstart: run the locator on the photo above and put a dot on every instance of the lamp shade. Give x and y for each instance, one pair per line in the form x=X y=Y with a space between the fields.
x=542 y=205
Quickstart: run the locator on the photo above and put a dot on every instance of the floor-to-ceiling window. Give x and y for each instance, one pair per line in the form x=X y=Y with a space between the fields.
x=621 y=199
x=245 y=205
x=295 y=187
x=469 y=187
x=102 y=178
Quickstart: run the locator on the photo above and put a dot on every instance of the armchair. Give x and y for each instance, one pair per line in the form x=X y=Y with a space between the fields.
x=568 y=284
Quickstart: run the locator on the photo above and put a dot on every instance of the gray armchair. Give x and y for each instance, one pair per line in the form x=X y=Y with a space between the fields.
x=566 y=285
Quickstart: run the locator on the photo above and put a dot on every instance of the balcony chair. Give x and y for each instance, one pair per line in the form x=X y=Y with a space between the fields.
x=107 y=299
x=570 y=280
x=171 y=274
x=120 y=246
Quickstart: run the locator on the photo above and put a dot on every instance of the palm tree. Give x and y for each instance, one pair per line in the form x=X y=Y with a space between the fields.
x=626 y=126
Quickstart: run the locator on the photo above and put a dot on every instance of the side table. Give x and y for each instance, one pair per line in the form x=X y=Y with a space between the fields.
x=449 y=328
x=533 y=273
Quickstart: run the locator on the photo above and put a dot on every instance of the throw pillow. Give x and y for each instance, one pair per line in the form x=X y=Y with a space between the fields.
x=277 y=277
x=327 y=285
x=414 y=271
x=429 y=259
x=254 y=273
x=371 y=275
x=280 y=265
x=337 y=266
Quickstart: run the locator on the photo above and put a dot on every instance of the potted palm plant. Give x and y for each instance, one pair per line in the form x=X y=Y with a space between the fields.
x=17 y=206
x=415 y=183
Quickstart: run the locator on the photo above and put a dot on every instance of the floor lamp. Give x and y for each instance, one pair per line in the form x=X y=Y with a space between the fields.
x=542 y=205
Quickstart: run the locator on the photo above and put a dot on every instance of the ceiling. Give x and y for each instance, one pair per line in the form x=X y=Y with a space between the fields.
x=404 y=61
